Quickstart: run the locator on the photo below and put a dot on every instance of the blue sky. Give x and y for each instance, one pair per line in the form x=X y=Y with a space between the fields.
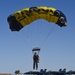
x=57 y=48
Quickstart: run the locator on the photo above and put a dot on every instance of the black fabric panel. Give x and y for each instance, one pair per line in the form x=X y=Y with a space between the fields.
x=60 y=14
x=13 y=23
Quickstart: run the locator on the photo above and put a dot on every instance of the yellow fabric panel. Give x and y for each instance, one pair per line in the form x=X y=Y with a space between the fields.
x=48 y=17
x=51 y=18
x=22 y=22
x=26 y=9
x=25 y=20
x=42 y=13
x=42 y=9
x=26 y=14
x=19 y=17
x=34 y=16
x=42 y=16
x=29 y=20
x=55 y=19
x=51 y=10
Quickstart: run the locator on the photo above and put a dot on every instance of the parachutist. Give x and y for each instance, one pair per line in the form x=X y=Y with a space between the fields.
x=35 y=60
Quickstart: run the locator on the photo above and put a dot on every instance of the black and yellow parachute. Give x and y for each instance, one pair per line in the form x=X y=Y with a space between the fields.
x=23 y=17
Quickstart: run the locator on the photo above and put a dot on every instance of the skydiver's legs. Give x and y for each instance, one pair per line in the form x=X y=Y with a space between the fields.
x=34 y=65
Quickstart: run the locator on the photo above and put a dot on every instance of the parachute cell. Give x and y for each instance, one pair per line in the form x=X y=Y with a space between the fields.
x=24 y=17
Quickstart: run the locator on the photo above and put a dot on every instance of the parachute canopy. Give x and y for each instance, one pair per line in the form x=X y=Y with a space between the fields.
x=24 y=17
